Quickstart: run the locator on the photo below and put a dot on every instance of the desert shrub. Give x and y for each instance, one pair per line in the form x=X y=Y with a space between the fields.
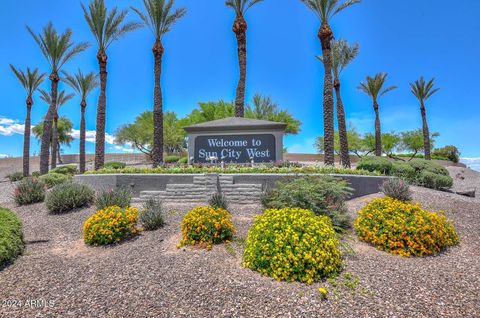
x=404 y=229
x=68 y=196
x=114 y=165
x=52 y=179
x=67 y=169
x=36 y=174
x=292 y=244
x=11 y=237
x=29 y=191
x=183 y=160
x=171 y=159
x=15 y=176
x=404 y=171
x=205 y=226
x=397 y=189
x=324 y=195
x=433 y=180
x=110 y=225
x=151 y=215
x=120 y=197
x=430 y=166
x=379 y=164
x=450 y=152
x=218 y=201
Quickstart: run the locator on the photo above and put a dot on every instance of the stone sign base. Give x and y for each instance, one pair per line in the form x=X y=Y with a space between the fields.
x=237 y=188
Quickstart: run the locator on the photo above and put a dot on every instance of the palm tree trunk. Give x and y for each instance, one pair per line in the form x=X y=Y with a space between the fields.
x=53 y=163
x=83 y=105
x=59 y=153
x=325 y=35
x=47 y=125
x=426 y=132
x=240 y=29
x=101 y=112
x=378 y=131
x=157 y=151
x=342 y=126
x=26 y=138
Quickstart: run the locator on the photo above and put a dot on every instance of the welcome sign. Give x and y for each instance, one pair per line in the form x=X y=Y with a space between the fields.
x=235 y=148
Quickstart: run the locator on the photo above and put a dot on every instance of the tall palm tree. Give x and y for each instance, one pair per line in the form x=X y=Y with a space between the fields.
x=342 y=55
x=106 y=27
x=373 y=87
x=240 y=29
x=62 y=99
x=30 y=81
x=160 y=17
x=325 y=10
x=424 y=90
x=57 y=49
x=64 y=132
x=83 y=84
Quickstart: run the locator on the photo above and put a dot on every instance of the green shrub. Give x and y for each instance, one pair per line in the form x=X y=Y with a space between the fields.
x=324 y=195
x=67 y=169
x=405 y=229
x=404 y=171
x=68 y=196
x=218 y=201
x=52 y=179
x=427 y=165
x=110 y=225
x=151 y=215
x=114 y=165
x=205 y=226
x=29 y=191
x=36 y=174
x=433 y=180
x=171 y=159
x=183 y=160
x=292 y=244
x=114 y=197
x=379 y=164
x=15 y=176
x=397 y=189
x=450 y=152
x=11 y=237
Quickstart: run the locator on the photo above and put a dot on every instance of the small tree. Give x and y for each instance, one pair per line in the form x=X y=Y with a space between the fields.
x=413 y=141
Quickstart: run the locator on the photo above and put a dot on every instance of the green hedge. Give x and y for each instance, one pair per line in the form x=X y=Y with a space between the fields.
x=379 y=164
x=114 y=165
x=67 y=169
x=11 y=237
x=52 y=179
x=237 y=169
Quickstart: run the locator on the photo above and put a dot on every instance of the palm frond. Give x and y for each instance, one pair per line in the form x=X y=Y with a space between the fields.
x=241 y=6
x=30 y=80
x=373 y=86
x=423 y=90
x=326 y=9
x=82 y=83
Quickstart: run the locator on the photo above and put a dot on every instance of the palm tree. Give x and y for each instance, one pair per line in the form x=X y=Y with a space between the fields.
x=423 y=91
x=342 y=55
x=373 y=87
x=58 y=49
x=83 y=84
x=240 y=29
x=30 y=82
x=62 y=99
x=106 y=27
x=325 y=10
x=160 y=18
x=64 y=132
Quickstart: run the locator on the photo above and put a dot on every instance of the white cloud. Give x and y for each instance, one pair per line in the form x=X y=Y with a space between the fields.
x=90 y=136
x=10 y=127
x=124 y=149
x=472 y=163
x=2 y=155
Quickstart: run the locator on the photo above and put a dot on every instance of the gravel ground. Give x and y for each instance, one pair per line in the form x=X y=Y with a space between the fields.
x=149 y=277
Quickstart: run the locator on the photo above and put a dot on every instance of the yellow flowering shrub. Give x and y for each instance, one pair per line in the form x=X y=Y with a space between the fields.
x=205 y=226
x=110 y=225
x=292 y=244
x=403 y=228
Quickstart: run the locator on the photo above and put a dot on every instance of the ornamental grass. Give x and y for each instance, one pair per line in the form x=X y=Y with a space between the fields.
x=404 y=229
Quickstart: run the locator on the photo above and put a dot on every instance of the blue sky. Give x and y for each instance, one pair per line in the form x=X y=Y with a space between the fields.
x=406 y=38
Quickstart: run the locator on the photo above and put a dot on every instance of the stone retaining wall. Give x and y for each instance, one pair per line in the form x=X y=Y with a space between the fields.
x=237 y=188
